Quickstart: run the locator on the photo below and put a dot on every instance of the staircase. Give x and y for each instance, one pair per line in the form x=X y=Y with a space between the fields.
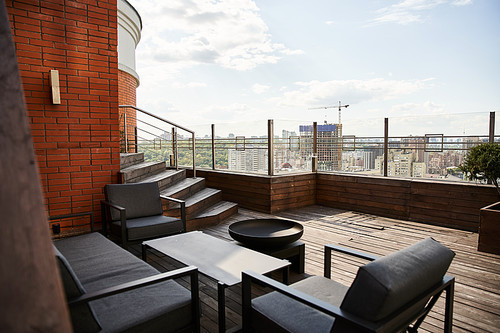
x=204 y=206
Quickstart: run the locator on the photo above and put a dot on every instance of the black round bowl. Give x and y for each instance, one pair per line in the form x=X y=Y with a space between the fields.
x=266 y=233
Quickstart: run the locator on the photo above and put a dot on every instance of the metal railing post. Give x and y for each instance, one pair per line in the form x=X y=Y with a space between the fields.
x=314 y=161
x=386 y=144
x=270 y=147
x=492 y=127
x=194 y=156
x=136 y=143
x=175 y=148
x=213 y=146
x=125 y=130
x=315 y=138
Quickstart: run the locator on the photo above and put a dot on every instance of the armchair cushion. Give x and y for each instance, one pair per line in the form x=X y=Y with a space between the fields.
x=149 y=227
x=275 y=312
x=386 y=284
x=140 y=199
x=82 y=316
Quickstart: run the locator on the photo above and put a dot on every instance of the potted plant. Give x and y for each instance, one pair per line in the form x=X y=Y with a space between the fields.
x=482 y=163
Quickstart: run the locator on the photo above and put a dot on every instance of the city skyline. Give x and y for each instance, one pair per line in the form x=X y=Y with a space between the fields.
x=203 y=62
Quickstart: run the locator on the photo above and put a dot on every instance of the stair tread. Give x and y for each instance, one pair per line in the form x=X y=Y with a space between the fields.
x=160 y=176
x=128 y=159
x=140 y=166
x=200 y=196
x=181 y=185
x=217 y=209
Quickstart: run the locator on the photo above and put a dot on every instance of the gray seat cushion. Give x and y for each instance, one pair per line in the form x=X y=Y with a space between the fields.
x=149 y=227
x=139 y=200
x=275 y=312
x=386 y=284
x=100 y=264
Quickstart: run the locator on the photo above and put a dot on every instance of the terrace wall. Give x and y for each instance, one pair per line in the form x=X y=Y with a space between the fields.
x=441 y=203
x=77 y=141
x=448 y=204
x=263 y=193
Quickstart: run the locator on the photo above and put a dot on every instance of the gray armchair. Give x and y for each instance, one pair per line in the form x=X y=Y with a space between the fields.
x=134 y=212
x=388 y=294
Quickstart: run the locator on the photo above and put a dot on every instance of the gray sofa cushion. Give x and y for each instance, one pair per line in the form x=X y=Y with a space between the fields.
x=139 y=200
x=275 y=312
x=99 y=264
x=149 y=227
x=386 y=284
x=82 y=316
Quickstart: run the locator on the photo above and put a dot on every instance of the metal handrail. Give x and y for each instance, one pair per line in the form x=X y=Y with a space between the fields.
x=176 y=126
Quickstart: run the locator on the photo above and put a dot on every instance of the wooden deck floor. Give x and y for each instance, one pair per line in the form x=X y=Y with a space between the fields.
x=477 y=289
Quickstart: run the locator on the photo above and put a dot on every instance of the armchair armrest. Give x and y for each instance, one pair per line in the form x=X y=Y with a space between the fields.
x=192 y=271
x=328 y=256
x=249 y=277
x=123 y=217
x=182 y=204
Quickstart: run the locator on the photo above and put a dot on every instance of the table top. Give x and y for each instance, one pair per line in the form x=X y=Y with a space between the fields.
x=221 y=260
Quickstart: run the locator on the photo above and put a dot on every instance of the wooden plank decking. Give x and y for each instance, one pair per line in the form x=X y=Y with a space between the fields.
x=477 y=289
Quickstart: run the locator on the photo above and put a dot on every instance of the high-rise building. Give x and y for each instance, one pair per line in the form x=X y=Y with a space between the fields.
x=419 y=169
x=329 y=145
x=400 y=164
x=248 y=160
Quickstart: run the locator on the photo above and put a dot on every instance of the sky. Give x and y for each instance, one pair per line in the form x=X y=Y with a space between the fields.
x=204 y=62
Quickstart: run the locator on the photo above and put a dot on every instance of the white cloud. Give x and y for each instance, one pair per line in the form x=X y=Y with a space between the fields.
x=180 y=85
x=227 y=33
x=412 y=11
x=260 y=88
x=462 y=2
x=412 y=109
x=318 y=93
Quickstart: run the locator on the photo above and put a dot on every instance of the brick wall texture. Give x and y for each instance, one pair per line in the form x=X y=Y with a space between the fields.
x=127 y=87
x=76 y=142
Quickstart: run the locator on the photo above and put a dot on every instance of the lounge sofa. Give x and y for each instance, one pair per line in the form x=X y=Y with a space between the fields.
x=110 y=290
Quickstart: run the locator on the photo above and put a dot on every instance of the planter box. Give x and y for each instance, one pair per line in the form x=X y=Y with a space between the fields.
x=489 y=229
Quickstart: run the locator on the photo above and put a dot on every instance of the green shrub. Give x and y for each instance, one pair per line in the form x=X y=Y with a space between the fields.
x=483 y=163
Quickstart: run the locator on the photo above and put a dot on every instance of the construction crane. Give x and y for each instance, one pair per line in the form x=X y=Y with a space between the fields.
x=329 y=107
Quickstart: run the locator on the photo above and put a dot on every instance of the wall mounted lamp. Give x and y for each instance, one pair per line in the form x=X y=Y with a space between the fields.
x=54 y=85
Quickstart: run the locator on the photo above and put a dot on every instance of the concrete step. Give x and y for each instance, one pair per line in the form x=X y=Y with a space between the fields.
x=129 y=159
x=195 y=203
x=212 y=215
x=137 y=172
x=184 y=188
x=201 y=200
x=166 y=178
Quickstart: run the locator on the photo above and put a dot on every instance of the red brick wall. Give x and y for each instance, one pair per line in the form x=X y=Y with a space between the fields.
x=76 y=142
x=127 y=87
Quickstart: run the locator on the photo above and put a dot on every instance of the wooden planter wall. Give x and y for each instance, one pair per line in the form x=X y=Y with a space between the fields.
x=441 y=203
x=263 y=193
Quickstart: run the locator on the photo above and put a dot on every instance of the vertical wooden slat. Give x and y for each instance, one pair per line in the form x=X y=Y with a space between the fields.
x=30 y=287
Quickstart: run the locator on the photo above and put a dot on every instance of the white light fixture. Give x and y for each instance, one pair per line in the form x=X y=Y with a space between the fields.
x=54 y=84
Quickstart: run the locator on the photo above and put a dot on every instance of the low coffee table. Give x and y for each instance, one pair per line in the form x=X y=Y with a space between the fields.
x=294 y=252
x=220 y=260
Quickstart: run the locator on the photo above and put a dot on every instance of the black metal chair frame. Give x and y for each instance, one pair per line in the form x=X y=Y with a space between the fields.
x=190 y=271
x=447 y=285
x=105 y=214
